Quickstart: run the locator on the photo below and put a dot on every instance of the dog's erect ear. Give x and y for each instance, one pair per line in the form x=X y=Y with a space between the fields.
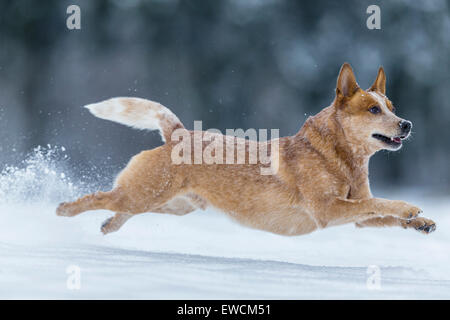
x=380 y=82
x=346 y=83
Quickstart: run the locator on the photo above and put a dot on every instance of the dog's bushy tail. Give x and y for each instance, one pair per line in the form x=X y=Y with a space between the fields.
x=138 y=113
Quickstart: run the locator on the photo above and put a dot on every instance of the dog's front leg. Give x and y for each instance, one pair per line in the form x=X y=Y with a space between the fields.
x=341 y=211
x=420 y=224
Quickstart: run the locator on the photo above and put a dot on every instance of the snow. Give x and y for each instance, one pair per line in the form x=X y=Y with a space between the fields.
x=203 y=255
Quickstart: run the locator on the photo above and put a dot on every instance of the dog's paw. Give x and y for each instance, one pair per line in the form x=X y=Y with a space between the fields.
x=63 y=210
x=422 y=225
x=108 y=226
x=408 y=211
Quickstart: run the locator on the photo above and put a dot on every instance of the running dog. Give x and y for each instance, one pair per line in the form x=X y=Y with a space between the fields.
x=321 y=178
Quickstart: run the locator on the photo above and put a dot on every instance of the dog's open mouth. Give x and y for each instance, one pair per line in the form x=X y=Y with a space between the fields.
x=391 y=141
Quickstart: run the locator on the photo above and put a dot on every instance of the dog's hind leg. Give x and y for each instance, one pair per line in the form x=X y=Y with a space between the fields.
x=179 y=206
x=93 y=201
x=115 y=222
x=115 y=200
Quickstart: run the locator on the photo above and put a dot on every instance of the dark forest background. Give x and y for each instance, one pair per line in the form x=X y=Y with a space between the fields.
x=231 y=64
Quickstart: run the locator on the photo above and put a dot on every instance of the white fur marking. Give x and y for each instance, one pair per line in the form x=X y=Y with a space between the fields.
x=134 y=112
x=380 y=101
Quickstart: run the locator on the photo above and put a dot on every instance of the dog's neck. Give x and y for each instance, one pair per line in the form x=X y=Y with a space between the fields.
x=326 y=136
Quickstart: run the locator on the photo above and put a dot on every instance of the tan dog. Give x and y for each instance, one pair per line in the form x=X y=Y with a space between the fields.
x=321 y=181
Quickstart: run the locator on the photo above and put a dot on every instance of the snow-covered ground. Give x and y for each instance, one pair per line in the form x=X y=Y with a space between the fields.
x=202 y=255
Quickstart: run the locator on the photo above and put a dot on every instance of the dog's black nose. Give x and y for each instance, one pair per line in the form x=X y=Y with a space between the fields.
x=405 y=125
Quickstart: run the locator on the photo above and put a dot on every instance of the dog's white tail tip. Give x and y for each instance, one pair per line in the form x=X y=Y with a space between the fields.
x=137 y=113
x=105 y=109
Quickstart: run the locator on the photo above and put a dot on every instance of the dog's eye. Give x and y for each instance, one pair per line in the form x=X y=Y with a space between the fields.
x=375 y=109
x=393 y=109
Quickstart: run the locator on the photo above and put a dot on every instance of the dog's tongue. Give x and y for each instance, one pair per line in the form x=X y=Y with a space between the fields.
x=397 y=140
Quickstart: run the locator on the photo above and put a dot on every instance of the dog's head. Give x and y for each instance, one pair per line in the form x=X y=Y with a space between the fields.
x=367 y=117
